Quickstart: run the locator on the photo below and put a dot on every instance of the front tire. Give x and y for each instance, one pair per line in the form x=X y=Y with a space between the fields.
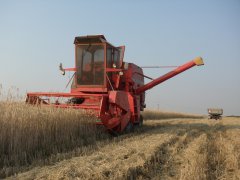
x=129 y=128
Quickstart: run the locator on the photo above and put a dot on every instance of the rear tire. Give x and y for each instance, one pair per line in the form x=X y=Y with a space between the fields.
x=140 y=124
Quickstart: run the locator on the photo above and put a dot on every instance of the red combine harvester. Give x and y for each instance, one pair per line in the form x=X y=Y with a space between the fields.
x=104 y=83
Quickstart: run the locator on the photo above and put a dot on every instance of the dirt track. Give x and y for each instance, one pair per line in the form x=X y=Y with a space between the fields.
x=166 y=149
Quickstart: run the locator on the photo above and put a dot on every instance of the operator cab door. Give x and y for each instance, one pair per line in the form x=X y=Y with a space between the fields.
x=90 y=65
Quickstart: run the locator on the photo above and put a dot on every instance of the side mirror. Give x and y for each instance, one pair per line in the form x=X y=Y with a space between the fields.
x=61 y=69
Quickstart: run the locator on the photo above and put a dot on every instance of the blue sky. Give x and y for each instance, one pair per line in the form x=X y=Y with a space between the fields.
x=35 y=36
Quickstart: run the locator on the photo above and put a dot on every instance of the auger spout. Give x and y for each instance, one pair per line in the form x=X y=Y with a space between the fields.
x=195 y=62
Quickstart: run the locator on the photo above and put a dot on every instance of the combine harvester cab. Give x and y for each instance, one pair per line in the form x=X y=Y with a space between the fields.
x=103 y=83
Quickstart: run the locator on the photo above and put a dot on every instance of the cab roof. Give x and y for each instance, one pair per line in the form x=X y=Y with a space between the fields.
x=90 y=39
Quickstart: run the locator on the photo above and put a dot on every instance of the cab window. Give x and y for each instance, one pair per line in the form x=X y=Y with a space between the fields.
x=109 y=57
x=116 y=58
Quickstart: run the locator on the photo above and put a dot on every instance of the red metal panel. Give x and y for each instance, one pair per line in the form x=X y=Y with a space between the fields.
x=89 y=89
x=73 y=106
x=53 y=94
x=70 y=69
x=124 y=120
x=120 y=98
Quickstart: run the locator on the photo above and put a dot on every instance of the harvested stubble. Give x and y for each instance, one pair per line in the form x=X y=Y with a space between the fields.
x=34 y=133
x=158 y=115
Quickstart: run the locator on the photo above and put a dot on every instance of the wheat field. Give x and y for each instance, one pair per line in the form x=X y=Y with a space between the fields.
x=32 y=135
x=50 y=143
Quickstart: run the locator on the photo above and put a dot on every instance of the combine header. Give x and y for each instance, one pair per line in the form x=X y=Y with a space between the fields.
x=102 y=82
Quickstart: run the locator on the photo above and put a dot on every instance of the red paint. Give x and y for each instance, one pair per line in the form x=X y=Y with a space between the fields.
x=118 y=100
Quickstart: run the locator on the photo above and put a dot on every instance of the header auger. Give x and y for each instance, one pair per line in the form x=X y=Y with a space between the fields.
x=113 y=89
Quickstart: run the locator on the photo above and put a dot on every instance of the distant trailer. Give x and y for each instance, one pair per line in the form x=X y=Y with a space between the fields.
x=215 y=113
